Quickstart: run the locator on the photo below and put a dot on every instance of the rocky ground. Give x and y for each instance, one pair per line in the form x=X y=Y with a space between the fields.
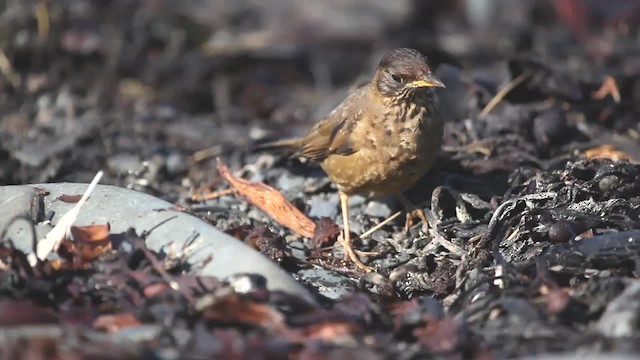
x=534 y=200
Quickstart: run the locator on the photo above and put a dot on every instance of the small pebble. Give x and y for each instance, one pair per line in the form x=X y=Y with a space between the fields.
x=564 y=231
x=560 y=232
x=330 y=284
x=377 y=209
x=356 y=200
x=123 y=163
x=290 y=183
x=608 y=183
x=176 y=163
x=324 y=206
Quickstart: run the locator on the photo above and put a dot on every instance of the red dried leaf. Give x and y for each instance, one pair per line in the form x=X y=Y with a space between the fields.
x=13 y=313
x=89 y=242
x=153 y=290
x=93 y=234
x=267 y=243
x=609 y=87
x=271 y=201
x=400 y=310
x=115 y=322
x=240 y=232
x=326 y=232
x=70 y=199
x=557 y=300
x=607 y=151
x=440 y=336
x=234 y=309
x=331 y=331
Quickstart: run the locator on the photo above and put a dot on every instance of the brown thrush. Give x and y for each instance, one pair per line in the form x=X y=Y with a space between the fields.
x=381 y=139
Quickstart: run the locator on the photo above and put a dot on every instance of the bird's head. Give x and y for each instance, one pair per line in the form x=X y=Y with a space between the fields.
x=403 y=72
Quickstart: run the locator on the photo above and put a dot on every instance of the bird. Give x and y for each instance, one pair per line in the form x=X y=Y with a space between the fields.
x=380 y=139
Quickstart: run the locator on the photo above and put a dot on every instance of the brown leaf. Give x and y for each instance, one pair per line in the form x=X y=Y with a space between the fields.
x=70 y=199
x=607 y=151
x=400 y=310
x=89 y=242
x=331 y=330
x=91 y=234
x=271 y=201
x=609 y=87
x=15 y=312
x=233 y=309
x=440 y=336
x=557 y=300
x=326 y=232
x=267 y=243
x=240 y=232
x=154 y=289
x=114 y=322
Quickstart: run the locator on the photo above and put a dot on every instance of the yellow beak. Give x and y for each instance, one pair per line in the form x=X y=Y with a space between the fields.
x=428 y=81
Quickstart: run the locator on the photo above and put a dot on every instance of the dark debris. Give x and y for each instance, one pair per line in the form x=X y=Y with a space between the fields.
x=534 y=201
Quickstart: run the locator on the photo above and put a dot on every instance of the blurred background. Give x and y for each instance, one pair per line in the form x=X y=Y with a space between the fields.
x=151 y=91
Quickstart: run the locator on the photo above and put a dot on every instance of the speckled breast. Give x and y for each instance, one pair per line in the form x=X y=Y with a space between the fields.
x=403 y=150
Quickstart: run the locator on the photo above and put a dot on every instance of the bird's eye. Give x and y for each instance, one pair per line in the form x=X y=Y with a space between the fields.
x=397 y=78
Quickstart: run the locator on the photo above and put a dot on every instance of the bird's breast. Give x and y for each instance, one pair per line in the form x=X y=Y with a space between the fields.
x=395 y=149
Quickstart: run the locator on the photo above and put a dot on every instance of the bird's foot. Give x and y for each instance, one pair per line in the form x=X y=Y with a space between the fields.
x=351 y=254
x=412 y=214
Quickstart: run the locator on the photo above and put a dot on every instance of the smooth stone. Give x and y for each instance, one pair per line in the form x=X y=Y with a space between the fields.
x=620 y=317
x=123 y=163
x=290 y=183
x=21 y=201
x=329 y=284
x=377 y=209
x=124 y=209
x=322 y=206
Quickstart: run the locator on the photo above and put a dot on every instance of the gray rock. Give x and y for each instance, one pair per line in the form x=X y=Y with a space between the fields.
x=356 y=200
x=620 y=318
x=35 y=151
x=123 y=163
x=322 y=205
x=176 y=163
x=290 y=183
x=377 y=209
x=20 y=201
x=329 y=284
x=123 y=209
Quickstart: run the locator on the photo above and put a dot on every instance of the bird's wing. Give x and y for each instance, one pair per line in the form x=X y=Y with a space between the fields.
x=332 y=135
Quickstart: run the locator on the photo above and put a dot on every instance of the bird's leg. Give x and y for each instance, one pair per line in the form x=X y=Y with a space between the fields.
x=346 y=238
x=412 y=212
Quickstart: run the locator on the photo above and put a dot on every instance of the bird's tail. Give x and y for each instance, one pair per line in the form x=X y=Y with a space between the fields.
x=287 y=146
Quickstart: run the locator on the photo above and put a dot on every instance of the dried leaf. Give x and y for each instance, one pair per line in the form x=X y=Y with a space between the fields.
x=155 y=289
x=557 y=300
x=114 y=322
x=607 y=151
x=91 y=234
x=326 y=232
x=54 y=237
x=15 y=312
x=609 y=87
x=267 y=243
x=331 y=331
x=439 y=336
x=271 y=201
x=89 y=242
x=70 y=199
x=234 y=309
x=85 y=244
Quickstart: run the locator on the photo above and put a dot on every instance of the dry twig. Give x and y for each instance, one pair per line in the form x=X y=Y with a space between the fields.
x=501 y=94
